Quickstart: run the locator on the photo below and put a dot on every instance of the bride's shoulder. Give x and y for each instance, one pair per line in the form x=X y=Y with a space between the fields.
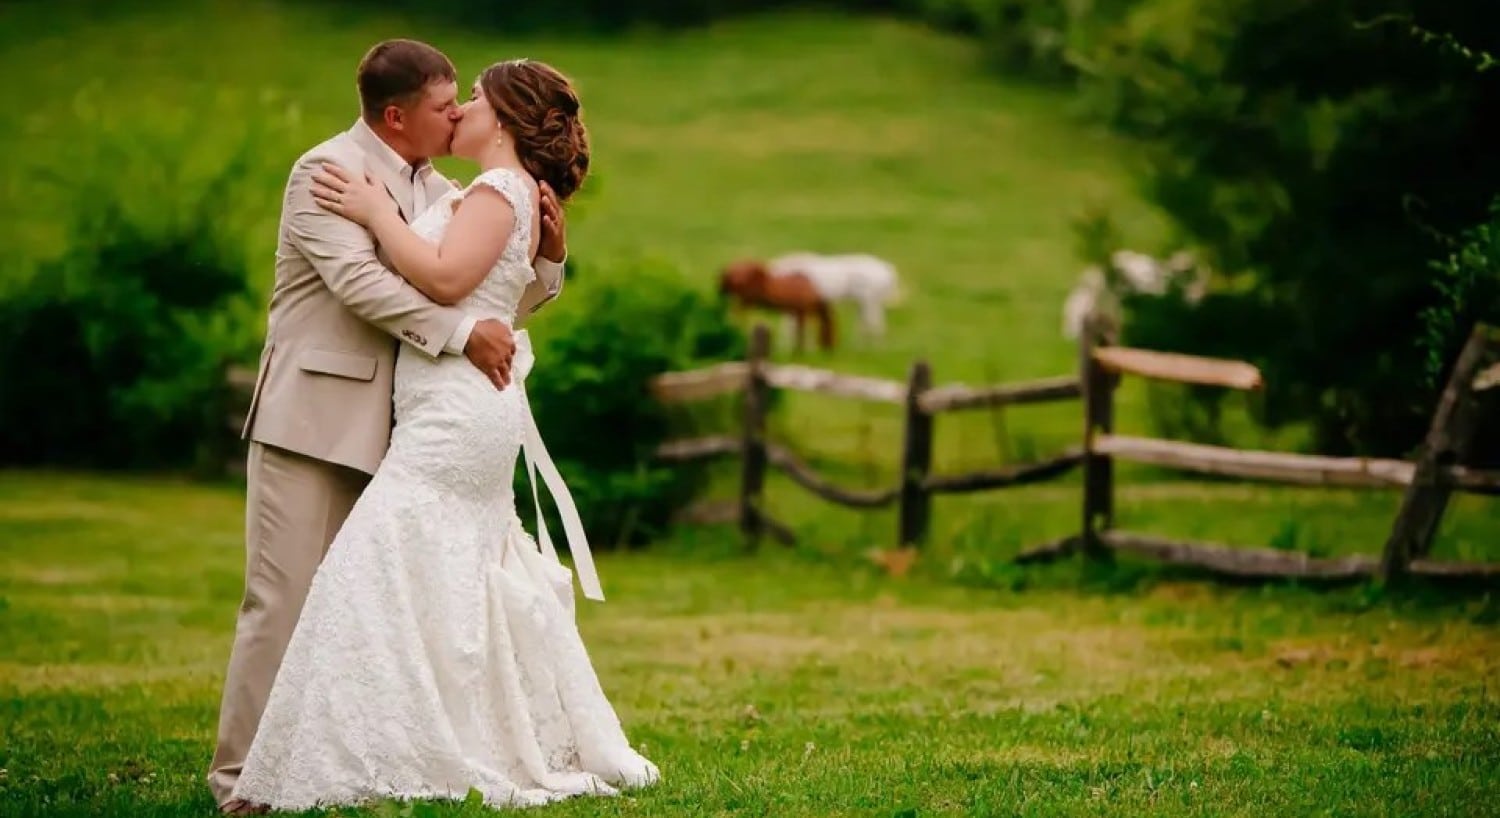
x=516 y=186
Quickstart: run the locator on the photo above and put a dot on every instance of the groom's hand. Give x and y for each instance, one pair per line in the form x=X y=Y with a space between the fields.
x=491 y=347
x=553 y=245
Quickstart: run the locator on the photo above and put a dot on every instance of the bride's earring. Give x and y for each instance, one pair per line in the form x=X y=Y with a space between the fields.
x=500 y=140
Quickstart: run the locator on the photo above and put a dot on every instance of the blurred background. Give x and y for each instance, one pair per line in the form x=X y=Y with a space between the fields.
x=1322 y=178
x=1310 y=187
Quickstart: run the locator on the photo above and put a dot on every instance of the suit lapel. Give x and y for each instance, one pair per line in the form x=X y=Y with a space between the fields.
x=378 y=163
x=399 y=192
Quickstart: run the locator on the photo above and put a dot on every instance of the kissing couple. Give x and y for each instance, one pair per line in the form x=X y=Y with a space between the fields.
x=402 y=635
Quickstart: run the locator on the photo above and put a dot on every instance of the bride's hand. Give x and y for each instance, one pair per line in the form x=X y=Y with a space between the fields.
x=357 y=197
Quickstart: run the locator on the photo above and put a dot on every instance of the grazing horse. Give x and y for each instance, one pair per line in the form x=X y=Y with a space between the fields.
x=868 y=281
x=793 y=294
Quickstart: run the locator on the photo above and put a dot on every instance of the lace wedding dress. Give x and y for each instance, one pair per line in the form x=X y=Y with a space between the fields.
x=437 y=651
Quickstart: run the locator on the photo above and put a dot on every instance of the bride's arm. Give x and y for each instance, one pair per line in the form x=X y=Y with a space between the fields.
x=446 y=272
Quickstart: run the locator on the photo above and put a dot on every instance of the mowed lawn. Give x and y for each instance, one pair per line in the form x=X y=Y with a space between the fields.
x=785 y=684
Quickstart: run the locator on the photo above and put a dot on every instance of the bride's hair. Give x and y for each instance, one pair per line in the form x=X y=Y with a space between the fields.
x=539 y=107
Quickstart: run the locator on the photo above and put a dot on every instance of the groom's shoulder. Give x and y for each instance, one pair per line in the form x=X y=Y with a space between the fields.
x=340 y=148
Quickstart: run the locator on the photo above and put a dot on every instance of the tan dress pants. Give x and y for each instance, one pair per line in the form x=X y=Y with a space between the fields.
x=294 y=505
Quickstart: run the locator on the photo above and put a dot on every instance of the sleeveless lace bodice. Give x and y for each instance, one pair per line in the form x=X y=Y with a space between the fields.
x=499 y=294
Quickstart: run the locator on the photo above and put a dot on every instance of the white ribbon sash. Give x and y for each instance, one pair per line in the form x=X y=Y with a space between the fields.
x=538 y=460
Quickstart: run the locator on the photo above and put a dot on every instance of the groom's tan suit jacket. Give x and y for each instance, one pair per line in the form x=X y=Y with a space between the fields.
x=324 y=385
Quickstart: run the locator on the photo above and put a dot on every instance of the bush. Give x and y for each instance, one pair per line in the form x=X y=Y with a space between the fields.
x=113 y=354
x=597 y=348
x=1315 y=154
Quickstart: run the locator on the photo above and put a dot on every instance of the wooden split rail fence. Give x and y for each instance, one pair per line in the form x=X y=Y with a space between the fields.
x=922 y=402
x=1427 y=482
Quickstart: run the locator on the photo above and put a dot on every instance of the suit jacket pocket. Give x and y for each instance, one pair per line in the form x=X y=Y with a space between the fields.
x=338 y=364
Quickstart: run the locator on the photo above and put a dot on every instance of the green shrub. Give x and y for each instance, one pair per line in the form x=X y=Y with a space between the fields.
x=1314 y=155
x=113 y=354
x=597 y=348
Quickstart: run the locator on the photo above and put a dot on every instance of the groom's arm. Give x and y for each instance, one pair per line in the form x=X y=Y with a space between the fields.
x=550 y=275
x=343 y=254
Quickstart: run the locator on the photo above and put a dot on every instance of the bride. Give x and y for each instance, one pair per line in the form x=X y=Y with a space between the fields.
x=437 y=651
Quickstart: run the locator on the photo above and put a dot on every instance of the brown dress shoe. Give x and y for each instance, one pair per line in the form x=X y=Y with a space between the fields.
x=239 y=806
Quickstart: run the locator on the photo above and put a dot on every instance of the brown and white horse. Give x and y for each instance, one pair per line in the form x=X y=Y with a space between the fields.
x=793 y=294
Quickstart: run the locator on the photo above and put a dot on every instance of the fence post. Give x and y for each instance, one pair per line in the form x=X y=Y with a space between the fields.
x=1447 y=444
x=1099 y=416
x=753 y=459
x=916 y=461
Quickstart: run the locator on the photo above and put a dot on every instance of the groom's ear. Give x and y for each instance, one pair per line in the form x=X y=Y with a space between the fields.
x=393 y=117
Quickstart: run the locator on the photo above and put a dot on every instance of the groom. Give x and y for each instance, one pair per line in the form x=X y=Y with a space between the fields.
x=320 y=417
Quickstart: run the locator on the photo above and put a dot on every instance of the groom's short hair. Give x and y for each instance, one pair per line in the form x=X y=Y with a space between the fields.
x=396 y=72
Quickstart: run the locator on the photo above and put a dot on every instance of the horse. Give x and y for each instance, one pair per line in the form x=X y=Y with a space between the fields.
x=753 y=285
x=868 y=281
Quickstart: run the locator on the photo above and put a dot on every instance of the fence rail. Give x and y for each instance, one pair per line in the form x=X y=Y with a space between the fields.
x=957 y=397
x=804 y=476
x=1004 y=477
x=1170 y=366
x=731 y=377
x=1487 y=379
x=1427 y=482
x=1276 y=467
x=1237 y=561
x=699 y=448
x=1474 y=481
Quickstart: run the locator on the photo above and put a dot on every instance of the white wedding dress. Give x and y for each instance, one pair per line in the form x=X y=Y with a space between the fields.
x=437 y=651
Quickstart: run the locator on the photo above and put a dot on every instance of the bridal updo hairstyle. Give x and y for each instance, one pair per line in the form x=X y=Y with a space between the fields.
x=539 y=108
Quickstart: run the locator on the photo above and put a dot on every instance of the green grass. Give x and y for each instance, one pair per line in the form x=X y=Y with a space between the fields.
x=784 y=684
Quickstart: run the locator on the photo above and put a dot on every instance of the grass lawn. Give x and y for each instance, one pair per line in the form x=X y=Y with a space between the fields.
x=783 y=685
